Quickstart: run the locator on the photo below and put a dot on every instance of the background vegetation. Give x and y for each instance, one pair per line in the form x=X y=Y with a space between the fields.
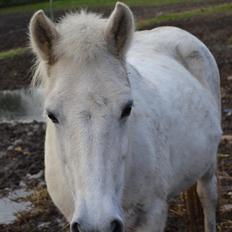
x=70 y=4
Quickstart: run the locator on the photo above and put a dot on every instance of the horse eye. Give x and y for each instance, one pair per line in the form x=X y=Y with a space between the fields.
x=127 y=109
x=52 y=117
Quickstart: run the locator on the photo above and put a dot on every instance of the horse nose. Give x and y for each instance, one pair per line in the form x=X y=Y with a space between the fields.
x=115 y=226
x=75 y=227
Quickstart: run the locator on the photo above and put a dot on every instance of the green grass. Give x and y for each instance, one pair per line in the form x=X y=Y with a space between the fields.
x=12 y=53
x=205 y=11
x=71 y=4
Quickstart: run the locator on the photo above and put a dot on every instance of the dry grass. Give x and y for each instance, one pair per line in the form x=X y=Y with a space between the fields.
x=36 y=219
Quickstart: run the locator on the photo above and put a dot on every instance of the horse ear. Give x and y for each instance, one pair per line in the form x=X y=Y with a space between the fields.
x=119 y=30
x=43 y=34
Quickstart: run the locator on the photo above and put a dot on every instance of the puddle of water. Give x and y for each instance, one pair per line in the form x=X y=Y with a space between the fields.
x=9 y=206
x=228 y=111
x=23 y=105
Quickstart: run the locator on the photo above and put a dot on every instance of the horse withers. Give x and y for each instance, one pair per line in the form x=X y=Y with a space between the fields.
x=133 y=119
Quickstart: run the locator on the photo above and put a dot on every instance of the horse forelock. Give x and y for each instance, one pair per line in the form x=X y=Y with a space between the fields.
x=81 y=39
x=81 y=36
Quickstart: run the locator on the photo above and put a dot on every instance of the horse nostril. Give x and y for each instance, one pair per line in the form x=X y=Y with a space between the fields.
x=75 y=227
x=116 y=226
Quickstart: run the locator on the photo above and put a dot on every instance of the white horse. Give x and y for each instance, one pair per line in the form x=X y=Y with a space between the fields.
x=133 y=120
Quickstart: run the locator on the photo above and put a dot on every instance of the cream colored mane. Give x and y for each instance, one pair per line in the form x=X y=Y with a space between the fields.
x=81 y=38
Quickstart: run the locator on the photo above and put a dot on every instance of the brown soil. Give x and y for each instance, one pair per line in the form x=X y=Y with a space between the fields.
x=16 y=72
x=21 y=147
x=21 y=152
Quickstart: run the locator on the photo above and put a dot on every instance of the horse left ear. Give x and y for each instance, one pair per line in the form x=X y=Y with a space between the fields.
x=43 y=35
x=119 y=30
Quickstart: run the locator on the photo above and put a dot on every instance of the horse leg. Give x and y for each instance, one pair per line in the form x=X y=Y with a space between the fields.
x=207 y=192
x=156 y=217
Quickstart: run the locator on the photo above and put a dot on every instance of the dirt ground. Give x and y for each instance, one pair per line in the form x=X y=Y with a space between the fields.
x=21 y=147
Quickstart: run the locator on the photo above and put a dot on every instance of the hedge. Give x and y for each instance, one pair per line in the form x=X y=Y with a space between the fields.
x=5 y=3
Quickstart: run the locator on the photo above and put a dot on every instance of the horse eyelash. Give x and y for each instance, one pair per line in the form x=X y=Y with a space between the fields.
x=52 y=117
x=127 y=109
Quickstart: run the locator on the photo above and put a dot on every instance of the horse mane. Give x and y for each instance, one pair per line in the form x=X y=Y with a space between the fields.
x=81 y=38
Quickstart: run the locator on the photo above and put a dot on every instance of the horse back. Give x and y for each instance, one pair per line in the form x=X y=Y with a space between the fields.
x=187 y=50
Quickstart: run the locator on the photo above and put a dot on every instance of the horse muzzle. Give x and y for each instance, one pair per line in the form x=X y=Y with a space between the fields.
x=115 y=225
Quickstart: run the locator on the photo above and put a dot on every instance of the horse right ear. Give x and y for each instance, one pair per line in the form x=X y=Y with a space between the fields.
x=119 y=30
x=43 y=35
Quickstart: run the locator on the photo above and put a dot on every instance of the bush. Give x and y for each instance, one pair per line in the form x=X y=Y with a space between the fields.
x=4 y=3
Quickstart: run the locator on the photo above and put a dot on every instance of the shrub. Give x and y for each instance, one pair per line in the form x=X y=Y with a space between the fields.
x=5 y=3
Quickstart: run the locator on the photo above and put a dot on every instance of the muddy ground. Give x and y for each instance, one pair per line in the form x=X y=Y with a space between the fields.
x=21 y=146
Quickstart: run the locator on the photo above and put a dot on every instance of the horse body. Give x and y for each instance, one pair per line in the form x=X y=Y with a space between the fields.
x=169 y=143
x=175 y=117
x=174 y=103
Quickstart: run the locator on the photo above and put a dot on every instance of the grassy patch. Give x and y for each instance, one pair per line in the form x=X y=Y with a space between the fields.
x=12 y=53
x=222 y=8
x=71 y=4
